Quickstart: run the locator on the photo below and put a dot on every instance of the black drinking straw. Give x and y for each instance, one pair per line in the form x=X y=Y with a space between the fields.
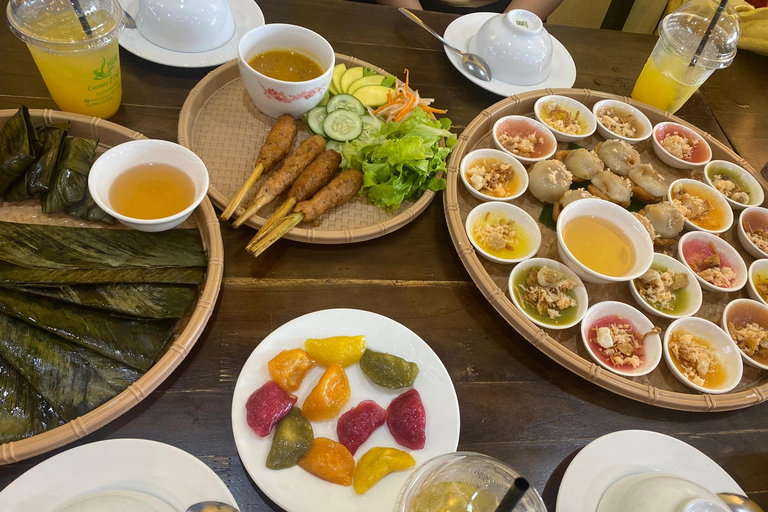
x=514 y=495
x=81 y=17
x=707 y=34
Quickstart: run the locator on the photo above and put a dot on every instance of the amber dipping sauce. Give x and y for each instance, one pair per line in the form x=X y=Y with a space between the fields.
x=151 y=191
x=286 y=65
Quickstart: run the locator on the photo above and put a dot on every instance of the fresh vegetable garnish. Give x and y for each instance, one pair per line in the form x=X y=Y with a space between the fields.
x=403 y=101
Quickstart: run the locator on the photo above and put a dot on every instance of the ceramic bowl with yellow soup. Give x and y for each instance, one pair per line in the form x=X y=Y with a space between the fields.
x=746 y=321
x=757 y=281
x=493 y=175
x=602 y=242
x=702 y=206
x=567 y=119
x=502 y=232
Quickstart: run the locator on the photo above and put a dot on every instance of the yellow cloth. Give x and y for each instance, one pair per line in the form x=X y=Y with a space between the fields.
x=754 y=24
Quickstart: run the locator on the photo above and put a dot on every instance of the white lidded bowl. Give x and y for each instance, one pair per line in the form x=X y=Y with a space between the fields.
x=724 y=249
x=582 y=299
x=722 y=344
x=504 y=157
x=191 y=26
x=756 y=268
x=565 y=101
x=518 y=215
x=670 y=159
x=710 y=194
x=761 y=310
x=693 y=288
x=755 y=191
x=741 y=231
x=533 y=126
x=652 y=343
x=141 y=152
x=623 y=220
x=645 y=126
x=658 y=492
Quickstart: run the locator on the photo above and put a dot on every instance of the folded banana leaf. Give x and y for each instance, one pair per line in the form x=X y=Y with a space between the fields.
x=87 y=209
x=70 y=181
x=55 y=369
x=19 y=146
x=13 y=274
x=117 y=375
x=37 y=178
x=142 y=300
x=136 y=343
x=23 y=412
x=42 y=246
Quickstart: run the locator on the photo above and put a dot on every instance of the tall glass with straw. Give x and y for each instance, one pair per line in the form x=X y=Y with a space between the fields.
x=694 y=41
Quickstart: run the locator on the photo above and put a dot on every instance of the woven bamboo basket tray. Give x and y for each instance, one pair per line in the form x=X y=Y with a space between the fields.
x=221 y=124
x=660 y=387
x=187 y=330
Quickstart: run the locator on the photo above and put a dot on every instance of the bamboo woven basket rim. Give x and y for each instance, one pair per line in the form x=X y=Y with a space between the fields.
x=229 y=72
x=539 y=337
x=175 y=352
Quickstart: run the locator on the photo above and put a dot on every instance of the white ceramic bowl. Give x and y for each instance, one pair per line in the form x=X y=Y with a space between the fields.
x=623 y=220
x=582 y=299
x=646 y=128
x=139 y=152
x=190 y=26
x=642 y=324
x=693 y=288
x=276 y=97
x=658 y=492
x=503 y=156
x=668 y=158
x=516 y=46
x=711 y=194
x=516 y=214
x=532 y=125
x=722 y=247
x=721 y=342
x=755 y=191
x=755 y=268
x=762 y=321
x=584 y=112
x=746 y=243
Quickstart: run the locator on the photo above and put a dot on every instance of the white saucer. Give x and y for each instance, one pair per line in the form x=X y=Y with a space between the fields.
x=462 y=29
x=629 y=452
x=246 y=13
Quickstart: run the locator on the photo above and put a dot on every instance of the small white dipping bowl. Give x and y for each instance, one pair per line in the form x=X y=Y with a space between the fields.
x=504 y=157
x=670 y=159
x=190 y=26
x=724 y=249
x=712 y=195
x=755 y=215
x=532 y=125
x=544 y=101
x=694 y=289
x=141 y=152
x=642 y=324
x=645 y=126
x=623 y=220
x=518 y=215
x=582 y=299
x=759 y=317
x=753 y=188
x=757 y=267
x=722 y=344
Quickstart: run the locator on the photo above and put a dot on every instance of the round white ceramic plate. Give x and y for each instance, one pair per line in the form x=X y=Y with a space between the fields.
x=246 y=13
x=629 y=452
x=296 y=490
x=462 y=29
x=133 y=466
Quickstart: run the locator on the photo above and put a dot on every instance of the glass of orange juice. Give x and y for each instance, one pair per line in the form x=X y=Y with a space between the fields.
x=74 y=44
x=678 y=66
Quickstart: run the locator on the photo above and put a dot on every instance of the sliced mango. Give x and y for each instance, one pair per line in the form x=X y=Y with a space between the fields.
x=350 y=76
x=365 y=81
x=339 y=70
x=372 y=95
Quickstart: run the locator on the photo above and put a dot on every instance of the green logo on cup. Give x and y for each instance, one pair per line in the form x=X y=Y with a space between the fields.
x=521 y=23
x=106 y=68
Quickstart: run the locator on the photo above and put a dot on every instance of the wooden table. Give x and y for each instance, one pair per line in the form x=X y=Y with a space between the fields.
x=516 y=404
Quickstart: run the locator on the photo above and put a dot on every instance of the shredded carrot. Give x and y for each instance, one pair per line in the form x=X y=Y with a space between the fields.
x=406 y=110
x=402 y=101
x=431 y=110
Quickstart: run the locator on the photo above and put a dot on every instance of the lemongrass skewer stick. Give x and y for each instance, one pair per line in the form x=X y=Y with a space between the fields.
x=276 y=217
x=283 y=226
x=244 y=188
x=258 y=203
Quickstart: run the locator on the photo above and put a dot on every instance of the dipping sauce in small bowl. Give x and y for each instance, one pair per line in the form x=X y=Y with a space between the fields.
x=746 y=321
x=493 y=175
x=668 y=289
x=735 y=183
x=704 y=208
x=679 y=146
x=151 y=191
x=568 y=119
x=619 y=120
x=503 y=232
x=526 y=139
x=717 y=265
x=753 y=231
x=286 y=65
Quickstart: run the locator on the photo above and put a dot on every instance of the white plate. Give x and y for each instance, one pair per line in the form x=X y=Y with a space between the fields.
x=630 y=452
x=134 y=465
x=246 y=13
x=462 y=29
x=296 y=490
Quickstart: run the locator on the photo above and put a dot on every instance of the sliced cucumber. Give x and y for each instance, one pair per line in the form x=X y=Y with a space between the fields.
x=371 y=126
x=346 y=102
x=372 y=95
x=342 y=125
x=334 y=145
x=366 y=80
x=315 y=119
x=350 y=76
x=338 y=70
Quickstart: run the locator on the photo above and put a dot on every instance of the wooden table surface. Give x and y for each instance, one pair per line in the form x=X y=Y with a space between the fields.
x=516 y=404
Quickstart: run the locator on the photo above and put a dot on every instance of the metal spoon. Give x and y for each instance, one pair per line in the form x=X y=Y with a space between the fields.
x=474 y=64
x=211 y=506
x=739 y=503
x=128 y=19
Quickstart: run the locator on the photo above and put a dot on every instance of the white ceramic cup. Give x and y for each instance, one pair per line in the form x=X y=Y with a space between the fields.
x=277 y=97
x=190 y=26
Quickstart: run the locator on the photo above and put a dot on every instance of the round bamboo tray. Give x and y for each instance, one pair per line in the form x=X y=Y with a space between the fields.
x=188 y=329
x=660 y=387
x=221 y=124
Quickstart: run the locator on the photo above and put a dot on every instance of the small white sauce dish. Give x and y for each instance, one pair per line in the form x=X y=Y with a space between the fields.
x=504 y=157
x=582 y=299
x=724 y=249
x=514 y=213
x=658 y=492
x=662 y=130
x=700 y=189
x=757 y=270
x=141 y=152
x=542 y=104
x=757 y=219
x=722 y=344
x=750 y=310
x=512 y=125
x=755 y=191
x=662 y=261
x=191 y=26
x=652 y=342
x=645 y=126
